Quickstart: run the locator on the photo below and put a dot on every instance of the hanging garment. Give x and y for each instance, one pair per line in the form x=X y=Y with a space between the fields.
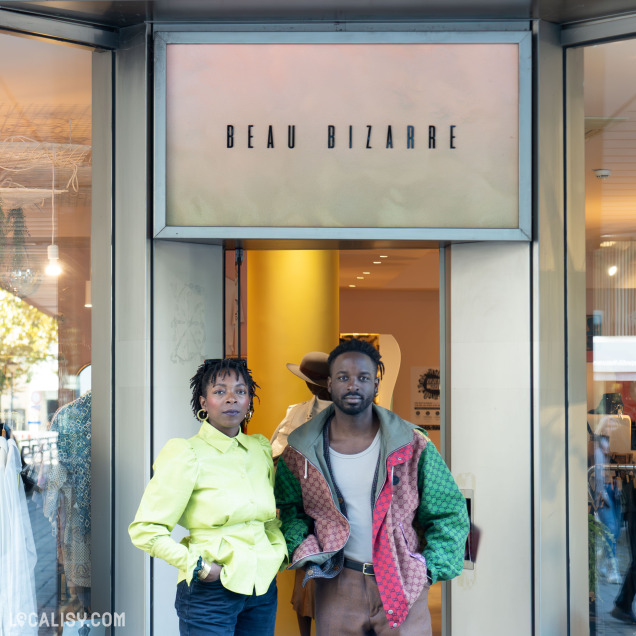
x=18 y=569
x=5 y=530
x=67 y=494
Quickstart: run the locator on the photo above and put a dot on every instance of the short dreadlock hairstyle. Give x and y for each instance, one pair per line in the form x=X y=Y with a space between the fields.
x=354 y=345
x=210 y=370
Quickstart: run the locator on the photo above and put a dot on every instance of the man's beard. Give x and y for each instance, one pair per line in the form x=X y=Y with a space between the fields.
x=352 y=409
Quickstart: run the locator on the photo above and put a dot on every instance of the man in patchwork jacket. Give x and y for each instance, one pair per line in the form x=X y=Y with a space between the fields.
x=368 y=507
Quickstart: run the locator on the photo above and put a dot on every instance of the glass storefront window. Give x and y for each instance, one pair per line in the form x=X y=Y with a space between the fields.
x=610 y=192
x=45 y=349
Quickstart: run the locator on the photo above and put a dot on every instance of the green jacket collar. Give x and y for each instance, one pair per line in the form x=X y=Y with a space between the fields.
x=394 y=433
x=307 y=439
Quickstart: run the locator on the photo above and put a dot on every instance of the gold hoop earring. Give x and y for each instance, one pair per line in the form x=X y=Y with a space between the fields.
x=200 y=418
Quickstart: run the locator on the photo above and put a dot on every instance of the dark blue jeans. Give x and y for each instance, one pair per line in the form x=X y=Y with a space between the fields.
x=208 y=609
x=611 y=515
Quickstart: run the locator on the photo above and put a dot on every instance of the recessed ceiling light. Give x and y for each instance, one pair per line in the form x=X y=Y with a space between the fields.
x=366 y=273
x=383 y=256
x=377 y=262
x=360 y=277
x=612 y=270
x=351 y=285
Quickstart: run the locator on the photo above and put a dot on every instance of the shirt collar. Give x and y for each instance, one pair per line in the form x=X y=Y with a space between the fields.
x=219 y=440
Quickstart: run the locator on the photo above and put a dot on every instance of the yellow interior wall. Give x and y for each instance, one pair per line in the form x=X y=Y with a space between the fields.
x=292 y=308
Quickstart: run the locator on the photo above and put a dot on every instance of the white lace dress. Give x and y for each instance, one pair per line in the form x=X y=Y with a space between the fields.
x=18 y=556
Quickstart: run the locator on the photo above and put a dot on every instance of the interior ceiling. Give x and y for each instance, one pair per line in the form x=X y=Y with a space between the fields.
x=123 y=13
x=46 y=146
x=389 y=269
x=610 y=112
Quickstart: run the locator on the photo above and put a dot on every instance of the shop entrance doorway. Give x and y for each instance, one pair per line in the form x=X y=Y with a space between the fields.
x=479 y=310
x=388 y=296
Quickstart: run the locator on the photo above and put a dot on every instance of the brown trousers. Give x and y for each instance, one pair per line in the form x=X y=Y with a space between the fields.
x=302 y=599
x=350 y=605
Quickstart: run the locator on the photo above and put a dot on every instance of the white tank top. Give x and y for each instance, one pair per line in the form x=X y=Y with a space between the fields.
x=354 y=476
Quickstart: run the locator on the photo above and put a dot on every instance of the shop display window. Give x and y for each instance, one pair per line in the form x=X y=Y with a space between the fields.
x=610 y=192
x=45 y=349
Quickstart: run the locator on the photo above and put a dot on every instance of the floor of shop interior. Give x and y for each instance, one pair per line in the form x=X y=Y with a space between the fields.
x=602 y=623
x=46 y=581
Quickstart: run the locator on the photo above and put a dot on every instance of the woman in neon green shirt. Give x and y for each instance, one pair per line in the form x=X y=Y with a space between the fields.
x=218 y=485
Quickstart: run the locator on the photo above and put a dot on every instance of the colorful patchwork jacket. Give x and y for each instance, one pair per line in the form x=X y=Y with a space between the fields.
x=420 y=522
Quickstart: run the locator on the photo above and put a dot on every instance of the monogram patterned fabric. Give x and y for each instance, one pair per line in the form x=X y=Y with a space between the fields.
x=419 y=498
x=442 y=516
x=331 y=529
x=394 y=538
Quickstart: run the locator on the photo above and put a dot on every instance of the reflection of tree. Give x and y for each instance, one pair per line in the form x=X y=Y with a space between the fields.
x=27 y=338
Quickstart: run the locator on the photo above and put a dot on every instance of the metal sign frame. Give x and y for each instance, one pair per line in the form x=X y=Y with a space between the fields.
x=421 y=33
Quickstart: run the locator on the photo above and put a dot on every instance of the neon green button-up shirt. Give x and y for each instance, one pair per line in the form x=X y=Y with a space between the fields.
x=221 y=489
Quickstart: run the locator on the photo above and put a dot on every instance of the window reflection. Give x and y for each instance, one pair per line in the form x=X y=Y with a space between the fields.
x=610 y=198
x=45 y=221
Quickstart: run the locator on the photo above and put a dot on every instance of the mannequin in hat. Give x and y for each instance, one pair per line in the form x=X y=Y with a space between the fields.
x=314 y=370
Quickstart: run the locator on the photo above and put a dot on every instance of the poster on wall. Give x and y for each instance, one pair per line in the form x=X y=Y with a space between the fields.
x=425 y=397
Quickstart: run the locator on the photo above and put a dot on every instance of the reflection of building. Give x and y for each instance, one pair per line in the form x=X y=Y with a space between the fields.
x=27 y=414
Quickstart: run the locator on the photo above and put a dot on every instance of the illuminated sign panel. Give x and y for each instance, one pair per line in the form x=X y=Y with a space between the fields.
x=342 y=135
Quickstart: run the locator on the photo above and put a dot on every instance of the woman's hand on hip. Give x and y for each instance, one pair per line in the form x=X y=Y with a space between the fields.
x=215 y=573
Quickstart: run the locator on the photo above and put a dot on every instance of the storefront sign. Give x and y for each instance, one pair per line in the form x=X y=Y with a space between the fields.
x=342 y=135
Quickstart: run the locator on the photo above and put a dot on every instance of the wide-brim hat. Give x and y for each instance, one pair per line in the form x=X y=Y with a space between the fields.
x=313 y=368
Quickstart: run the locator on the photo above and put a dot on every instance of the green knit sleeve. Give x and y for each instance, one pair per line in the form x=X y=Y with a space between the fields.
x=296 y=525
x=442 y=515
